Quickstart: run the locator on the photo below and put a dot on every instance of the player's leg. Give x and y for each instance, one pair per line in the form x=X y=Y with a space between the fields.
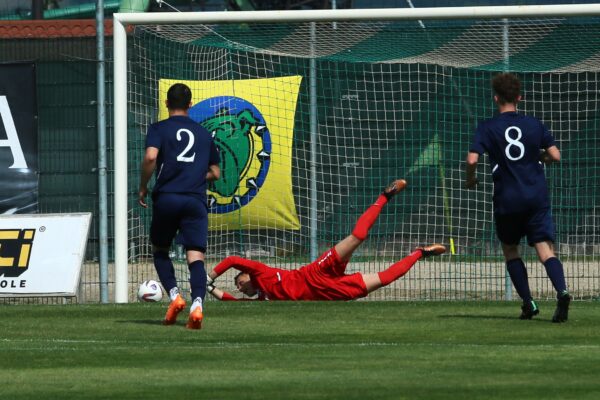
x=194 y=237
x=165 y=220
x=400 y=268
x=555 y=271
x=554 y=267
x=518 y=275
x=195 y=259
x=347 y=246
x=541 y=235
x=510 y=229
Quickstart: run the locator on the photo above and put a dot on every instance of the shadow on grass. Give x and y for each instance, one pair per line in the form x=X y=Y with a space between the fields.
x=141 y=322
x=475 y=316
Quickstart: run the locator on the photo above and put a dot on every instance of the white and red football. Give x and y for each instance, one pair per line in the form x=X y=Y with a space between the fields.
x=150 y=291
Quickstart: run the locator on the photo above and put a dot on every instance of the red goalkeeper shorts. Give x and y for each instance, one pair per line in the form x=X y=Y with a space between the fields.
x=327 y=279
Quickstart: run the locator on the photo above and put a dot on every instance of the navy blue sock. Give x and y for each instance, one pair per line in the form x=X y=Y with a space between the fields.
x=197 y=279
x=518 y=276
x=554 y=269
x=165 y=270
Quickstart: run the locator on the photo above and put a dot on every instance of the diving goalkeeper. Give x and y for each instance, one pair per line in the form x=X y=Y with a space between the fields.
x=325 y=278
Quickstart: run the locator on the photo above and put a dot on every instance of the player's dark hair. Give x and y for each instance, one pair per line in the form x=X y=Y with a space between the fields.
x=179 y=97
x=235 y=278
x=507 y=87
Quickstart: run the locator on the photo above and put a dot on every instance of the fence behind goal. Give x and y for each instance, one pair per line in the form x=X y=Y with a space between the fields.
x=381 y=100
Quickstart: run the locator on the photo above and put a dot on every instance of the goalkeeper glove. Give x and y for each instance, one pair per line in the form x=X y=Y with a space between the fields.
x=210 y=288
x=209 y=280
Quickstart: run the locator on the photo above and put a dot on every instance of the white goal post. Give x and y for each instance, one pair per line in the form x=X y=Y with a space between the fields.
x=123 y=20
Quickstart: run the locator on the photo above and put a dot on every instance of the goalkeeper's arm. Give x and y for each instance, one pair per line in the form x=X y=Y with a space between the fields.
x=210 y=278
x=219 y=294
x=241 y=264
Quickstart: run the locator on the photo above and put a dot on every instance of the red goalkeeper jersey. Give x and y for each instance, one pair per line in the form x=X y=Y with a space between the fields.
x=324 y=279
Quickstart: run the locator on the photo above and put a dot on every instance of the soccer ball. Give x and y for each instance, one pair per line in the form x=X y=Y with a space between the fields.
x=150 y=291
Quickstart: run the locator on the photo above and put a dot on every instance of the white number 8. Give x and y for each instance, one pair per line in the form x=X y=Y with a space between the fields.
x=514 y=142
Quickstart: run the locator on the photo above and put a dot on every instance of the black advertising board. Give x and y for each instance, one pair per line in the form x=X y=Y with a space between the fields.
x=18 y=139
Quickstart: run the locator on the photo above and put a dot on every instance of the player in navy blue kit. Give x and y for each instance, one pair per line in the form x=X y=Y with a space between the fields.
x=517 y=145
x=185 y=158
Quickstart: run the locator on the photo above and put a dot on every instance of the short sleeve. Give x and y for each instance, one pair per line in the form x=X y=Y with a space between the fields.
x=153 y=138
x=478 y=145
x=547 y=138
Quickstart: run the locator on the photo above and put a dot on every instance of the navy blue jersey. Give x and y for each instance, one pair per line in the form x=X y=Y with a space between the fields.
x=186 y=149
x=513 y=143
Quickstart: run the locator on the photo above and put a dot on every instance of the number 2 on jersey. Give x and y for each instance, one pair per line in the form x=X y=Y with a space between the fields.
x=182 y=156
x=514 y=143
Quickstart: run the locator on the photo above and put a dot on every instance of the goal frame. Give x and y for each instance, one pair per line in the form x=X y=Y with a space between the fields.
x=123 y=20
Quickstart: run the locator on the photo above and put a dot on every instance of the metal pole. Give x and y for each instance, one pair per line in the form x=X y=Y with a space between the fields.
x=334 y=7
x=102 y=184
x=506 y=55
x=37 y=9
x=120 y=162
x=384 y=14
x=313 y=143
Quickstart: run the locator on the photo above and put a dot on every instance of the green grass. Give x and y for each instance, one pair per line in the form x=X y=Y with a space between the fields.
x=281 y=350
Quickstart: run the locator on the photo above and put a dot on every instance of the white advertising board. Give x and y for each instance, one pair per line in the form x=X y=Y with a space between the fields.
x=41 y=254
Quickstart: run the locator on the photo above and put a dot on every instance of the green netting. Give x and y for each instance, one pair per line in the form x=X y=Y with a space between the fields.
x=393 y=100
x=400 y=99
x=533 y=45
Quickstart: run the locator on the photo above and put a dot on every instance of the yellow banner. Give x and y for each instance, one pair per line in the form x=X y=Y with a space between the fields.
x=252 y=122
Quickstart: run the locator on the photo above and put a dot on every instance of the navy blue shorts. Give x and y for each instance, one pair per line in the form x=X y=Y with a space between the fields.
x=537 y=225
x=175 y=212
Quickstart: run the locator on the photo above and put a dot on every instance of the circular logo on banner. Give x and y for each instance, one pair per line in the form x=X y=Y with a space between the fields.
x=241 y=134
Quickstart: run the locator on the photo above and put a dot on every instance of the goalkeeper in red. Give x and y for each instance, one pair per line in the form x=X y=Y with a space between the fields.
x=325 y=278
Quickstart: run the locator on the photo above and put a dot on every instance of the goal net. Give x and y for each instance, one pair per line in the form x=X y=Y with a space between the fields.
x=313 y=119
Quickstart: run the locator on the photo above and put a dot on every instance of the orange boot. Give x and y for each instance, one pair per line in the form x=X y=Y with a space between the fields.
x=195 y=319
x=174 y=309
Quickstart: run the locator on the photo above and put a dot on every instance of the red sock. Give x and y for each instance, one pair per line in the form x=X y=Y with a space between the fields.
x=400 y=268
x=366 y=221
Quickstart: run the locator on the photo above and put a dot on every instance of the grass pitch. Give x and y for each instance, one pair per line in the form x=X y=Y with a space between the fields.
x=304 y=350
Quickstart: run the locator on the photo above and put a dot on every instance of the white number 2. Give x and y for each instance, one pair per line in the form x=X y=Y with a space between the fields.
x=182 y=157
x=514 y=142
